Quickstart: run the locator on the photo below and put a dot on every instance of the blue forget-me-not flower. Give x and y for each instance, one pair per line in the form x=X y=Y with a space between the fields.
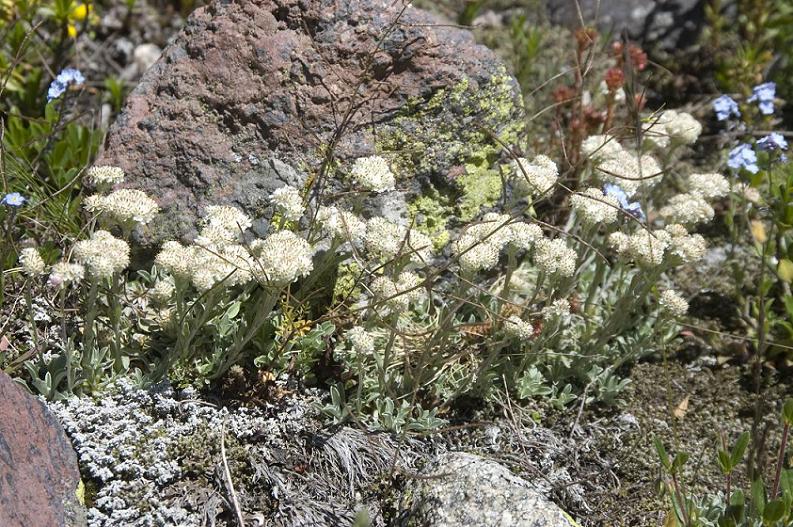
x=13 y=199
x=725 y=106
x=773 y=141
x=62 y=81
x=742 y=156
x=616 y=192
x=764 y=95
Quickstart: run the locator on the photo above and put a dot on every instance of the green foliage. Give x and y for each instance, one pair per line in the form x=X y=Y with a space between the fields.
x=764 y=506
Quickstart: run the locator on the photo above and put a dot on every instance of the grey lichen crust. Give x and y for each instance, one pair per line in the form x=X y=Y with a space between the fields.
x=153 y=458
x=465 y=490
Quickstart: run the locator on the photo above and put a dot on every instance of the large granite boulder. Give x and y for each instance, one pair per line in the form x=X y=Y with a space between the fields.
x=253 y=94
x=464 y=490
x=39 y=478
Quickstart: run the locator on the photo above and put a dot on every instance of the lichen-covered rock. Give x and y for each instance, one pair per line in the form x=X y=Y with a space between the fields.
x=465 y=490
x=251 y=93
x=39 y=478
x=153 y=457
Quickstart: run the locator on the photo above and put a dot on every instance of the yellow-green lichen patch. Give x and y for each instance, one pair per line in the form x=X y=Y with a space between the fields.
x=430 y=214
x=347 y=287
x=467 y=125
x=481 y=187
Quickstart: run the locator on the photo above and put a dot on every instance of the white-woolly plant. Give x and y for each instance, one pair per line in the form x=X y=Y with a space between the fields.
x=509 y=303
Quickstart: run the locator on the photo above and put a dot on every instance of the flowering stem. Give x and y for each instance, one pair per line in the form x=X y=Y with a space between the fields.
x=781 y=461
x=89 y=335
x=115 y=320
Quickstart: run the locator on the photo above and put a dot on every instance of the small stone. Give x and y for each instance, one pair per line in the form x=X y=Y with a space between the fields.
x=463 y=490
x=39 y=478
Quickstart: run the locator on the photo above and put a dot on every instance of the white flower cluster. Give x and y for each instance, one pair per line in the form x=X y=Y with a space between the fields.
x=630 y=172
x=673 y=303
x=593 y=206
x=282 y=258
x=709 y=186
x=687 y=247
x=478 y=248
x=361 y=340
x=105 y=175
x=601 y=147
x=535 y=178
x=398 y=296
x=688 y=209
x=230 y=219
x=373 y=174
x=341 y=224
x=288 y=202
x=554 y=257
x=649 y=248
x=558 y=309
x=672 y=126
x=31 y=261
x=65 y=273
x=386 y=240
x=516 y=327
x=124 y=206
x=162 y=291
x=218 y=257
x=103 y=255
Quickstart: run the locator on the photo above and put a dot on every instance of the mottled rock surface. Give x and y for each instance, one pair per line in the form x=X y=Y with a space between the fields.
x=248 y=96
x=664 y=24
x=464 y=490
x=39 y=478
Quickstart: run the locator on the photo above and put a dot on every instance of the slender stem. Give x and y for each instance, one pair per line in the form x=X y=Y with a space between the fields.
x=781 y=461
x=680 y=502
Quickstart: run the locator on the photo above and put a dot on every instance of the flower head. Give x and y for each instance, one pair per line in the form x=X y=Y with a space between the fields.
x=708 y=186
x=64 y=273
x=593 y=206
x=764 y=95
x=289 y=202
x=672 y=125
x=742 y=156
x=32 y=263
x=373 y=174
x=176 y=259
x=13 y=199
x=645 y=247
x=535 y=177
x=673 y=303
x=601 y=147
x=687 y=209
x=282 y=258
x=398 y=296
x=773 y=141
x=516 y=327
x=559 y=308
x=103 y=255
x=631 y=172
x=341 y=224
x=105 y=175
x=388 y=240
x=124 y=206
x=68 y=76
x=361 y=340
x=554 y=257
x=725 y=106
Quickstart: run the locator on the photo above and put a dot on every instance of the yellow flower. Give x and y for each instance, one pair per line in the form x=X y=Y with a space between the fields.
x=79 y=12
